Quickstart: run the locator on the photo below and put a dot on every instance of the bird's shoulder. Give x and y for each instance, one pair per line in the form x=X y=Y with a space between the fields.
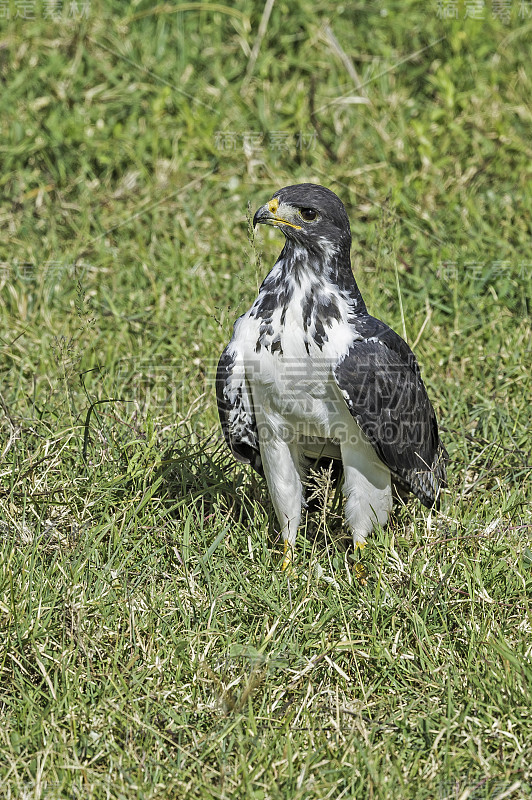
x=372 y=335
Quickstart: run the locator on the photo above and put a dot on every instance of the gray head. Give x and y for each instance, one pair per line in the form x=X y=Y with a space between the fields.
x=308 y=214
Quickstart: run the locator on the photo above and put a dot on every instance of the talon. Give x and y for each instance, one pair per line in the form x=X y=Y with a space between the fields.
x=361 y=573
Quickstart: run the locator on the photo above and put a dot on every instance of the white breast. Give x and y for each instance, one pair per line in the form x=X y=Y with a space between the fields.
x=292 y=382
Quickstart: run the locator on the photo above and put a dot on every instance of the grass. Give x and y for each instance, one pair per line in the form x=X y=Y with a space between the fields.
x=149 y=645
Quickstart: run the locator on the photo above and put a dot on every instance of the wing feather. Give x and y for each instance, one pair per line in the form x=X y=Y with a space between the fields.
x=235 y=407
x=381 y=383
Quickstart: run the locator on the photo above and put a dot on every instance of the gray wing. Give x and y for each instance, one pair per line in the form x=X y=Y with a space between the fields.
x=381 y=383
x=235 y=407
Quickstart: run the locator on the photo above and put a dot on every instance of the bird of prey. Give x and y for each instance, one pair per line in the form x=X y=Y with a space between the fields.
x=310 y=374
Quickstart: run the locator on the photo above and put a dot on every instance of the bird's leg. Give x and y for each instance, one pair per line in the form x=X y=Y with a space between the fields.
x=288 y=554
x=280 y=462
x=361 y=573
x=367 y=489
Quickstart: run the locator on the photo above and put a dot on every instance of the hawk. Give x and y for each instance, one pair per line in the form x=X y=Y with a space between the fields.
x=310 y=374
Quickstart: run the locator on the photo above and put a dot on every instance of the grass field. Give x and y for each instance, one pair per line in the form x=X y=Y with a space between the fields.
x=150 y=647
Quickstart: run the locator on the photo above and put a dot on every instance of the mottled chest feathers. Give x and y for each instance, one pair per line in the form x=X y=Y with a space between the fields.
x=286 y=309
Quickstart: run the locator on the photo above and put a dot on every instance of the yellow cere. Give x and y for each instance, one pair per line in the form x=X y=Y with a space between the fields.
x=273 y=205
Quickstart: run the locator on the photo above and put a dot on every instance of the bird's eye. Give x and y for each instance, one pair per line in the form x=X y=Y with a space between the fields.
x=308 y=214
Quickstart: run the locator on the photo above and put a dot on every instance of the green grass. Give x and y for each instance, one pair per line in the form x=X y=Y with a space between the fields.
x=149 y=645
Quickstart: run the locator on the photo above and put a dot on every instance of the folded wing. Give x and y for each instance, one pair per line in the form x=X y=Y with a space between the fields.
x=235 y=407
x=381 y=384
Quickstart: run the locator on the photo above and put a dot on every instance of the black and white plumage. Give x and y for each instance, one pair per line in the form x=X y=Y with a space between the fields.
x=309 y=373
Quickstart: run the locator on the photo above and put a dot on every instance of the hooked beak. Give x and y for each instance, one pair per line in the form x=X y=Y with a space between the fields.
x=267 y=215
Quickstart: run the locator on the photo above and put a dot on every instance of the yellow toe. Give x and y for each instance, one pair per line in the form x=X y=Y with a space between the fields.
x=361 y=573
x=288 y=555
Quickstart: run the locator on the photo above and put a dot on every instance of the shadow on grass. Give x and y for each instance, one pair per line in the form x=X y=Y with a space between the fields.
x=203 y=471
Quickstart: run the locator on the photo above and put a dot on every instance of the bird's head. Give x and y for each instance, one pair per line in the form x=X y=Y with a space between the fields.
x=309 y=215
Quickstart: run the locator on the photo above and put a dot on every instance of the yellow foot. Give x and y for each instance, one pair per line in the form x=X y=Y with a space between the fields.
x=361 y=573
x=288 y=556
